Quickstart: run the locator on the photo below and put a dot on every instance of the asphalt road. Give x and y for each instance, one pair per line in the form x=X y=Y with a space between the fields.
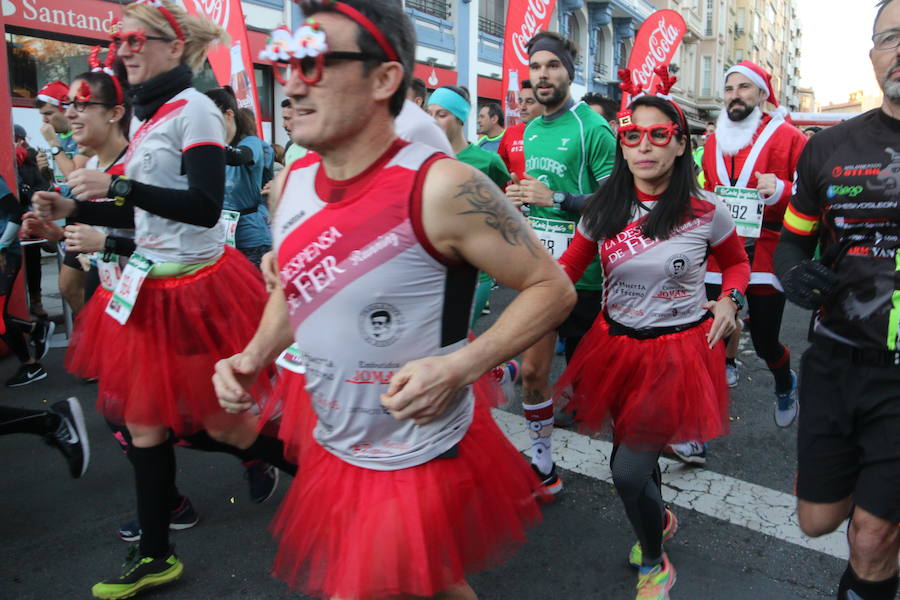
x=58 y=534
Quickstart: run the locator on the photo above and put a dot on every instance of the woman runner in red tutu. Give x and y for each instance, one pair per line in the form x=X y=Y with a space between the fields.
x=652 y=361
x=407 y=484
x=186 y=299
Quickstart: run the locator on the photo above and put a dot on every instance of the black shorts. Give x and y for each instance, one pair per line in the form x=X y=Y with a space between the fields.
x=582 y=317
x=70 y=259
x=849 y=434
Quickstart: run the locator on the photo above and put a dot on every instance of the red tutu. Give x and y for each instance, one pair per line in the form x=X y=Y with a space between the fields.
x=350 y=532
x=657 y=391
x=156 y=370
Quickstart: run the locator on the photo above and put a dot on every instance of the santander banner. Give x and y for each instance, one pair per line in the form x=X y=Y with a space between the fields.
x=655 y=45
x=232 y=64
x=524 y=18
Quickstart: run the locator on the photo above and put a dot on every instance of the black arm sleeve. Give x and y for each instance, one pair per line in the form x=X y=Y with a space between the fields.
x=201 y=203
x=575 y=202
x=102 y=213
x=123 y=246
x=11 y=207
x=792 y=249
x=235 y=157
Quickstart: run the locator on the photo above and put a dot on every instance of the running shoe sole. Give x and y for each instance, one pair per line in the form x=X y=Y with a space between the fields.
x=168 y=576
x=81 y=430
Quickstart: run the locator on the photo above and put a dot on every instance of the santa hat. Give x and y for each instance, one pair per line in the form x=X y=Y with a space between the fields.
x=55 y=93
x=760 y=78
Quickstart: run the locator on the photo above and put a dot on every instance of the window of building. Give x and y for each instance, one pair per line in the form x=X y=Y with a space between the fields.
x=706 y=77
x=739 y=54
x=709 y=17
x=770 y=13
x=492 y=17
x=436 y=8
x=600 y=66
x=575 y=35
x=34 y=62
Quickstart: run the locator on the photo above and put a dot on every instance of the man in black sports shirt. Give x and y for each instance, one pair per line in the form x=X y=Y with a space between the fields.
x=848 y=198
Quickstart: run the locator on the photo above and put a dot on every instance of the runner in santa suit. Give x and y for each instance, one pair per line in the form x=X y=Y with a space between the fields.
x=200 y=299
x=652 y=362
x=750 y=149
x=512 y=146
x=407 y=483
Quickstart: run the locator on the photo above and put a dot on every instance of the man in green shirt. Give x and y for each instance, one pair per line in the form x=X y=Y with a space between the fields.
x=490 y=126
x=569 y=150
x=449 y=105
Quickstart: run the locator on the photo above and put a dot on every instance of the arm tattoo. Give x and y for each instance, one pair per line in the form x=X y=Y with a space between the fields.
x=498 y=213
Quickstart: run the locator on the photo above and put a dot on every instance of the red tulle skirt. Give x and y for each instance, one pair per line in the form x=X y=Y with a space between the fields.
x=156 y=370
x=349 y=532
x=657 y=391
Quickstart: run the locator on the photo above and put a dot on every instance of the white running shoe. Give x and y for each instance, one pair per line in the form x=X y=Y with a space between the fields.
x=690 y=453
x=732 y=374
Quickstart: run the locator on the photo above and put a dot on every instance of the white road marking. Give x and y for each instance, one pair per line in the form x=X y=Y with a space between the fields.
x=755 y=507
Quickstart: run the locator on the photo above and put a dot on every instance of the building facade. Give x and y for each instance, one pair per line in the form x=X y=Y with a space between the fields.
x=768 y=33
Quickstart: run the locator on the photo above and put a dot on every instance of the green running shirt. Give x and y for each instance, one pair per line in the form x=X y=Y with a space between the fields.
x=568 y=154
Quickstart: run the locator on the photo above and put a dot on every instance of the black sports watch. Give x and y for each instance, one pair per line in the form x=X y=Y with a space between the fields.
x=737 y=297
x=119 y=188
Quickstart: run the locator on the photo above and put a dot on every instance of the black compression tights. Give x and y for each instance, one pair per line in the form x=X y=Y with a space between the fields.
x=22 y=420
x=637 y=478
x=765 y=312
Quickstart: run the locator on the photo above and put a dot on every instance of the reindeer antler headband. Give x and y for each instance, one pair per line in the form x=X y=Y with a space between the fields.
x=167 y=14
x=106 y=67
x=666 y=82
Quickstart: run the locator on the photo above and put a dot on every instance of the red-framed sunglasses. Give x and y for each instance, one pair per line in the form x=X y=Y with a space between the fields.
x=311 y=69
x=136 y=39
x=659 y=135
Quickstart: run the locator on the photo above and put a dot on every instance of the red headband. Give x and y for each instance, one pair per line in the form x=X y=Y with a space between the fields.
x=98 y=67
x=364 y=22
x=167 y=14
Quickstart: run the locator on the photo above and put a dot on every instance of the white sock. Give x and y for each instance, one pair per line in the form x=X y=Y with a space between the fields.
x=540 y=428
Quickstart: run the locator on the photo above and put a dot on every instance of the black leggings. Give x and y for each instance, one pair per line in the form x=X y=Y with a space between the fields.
x=22 y=420
x=766 y=311
x=15 y=328
x=637 y=478
x=32 y=254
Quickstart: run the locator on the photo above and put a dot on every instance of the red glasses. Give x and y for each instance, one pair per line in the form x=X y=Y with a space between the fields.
x=136 y=39
x=659 y=135
x=310 y=69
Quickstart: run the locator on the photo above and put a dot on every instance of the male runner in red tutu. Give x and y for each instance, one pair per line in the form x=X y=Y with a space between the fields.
x=407 y=484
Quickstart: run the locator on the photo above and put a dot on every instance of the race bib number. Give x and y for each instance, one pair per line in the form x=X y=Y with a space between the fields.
x=746 y=209
x=554 y=235
x=291 y=360
x=230 y=219
x=110 y=272
x=126 y=292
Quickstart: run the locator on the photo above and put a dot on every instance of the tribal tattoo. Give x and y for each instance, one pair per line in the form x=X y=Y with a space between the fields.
x=498 y=211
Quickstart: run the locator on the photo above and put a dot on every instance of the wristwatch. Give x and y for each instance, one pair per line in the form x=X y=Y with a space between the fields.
x=558 y=198
x=54 y=150
x=119 y=188
x=737 y=297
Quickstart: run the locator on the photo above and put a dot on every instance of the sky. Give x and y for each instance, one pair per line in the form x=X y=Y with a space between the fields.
x=835 y=49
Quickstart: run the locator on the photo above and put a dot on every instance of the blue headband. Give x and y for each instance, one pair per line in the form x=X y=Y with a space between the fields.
x=456 y=104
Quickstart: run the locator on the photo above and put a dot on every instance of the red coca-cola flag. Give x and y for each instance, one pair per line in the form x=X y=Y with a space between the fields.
x=231 y=64
x=655 y=45
x=524 y=18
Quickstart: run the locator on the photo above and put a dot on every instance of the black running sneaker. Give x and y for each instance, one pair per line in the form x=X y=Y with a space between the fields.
x=139 y=573
x=43 y=331
x=262 y=478
x=183 y=517
x=26 y=375
x=71 y=436
x=551 y=481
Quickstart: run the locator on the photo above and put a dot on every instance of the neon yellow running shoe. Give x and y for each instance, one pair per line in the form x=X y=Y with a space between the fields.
x=634 y=557
x=139 y=573
x=656 y=584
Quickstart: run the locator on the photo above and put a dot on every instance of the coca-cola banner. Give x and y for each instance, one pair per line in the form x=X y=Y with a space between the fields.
x=655 y=45
x=231 y=64
x=524 y=18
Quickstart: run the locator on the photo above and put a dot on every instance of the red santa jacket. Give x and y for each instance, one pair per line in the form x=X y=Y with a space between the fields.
x=778 y=155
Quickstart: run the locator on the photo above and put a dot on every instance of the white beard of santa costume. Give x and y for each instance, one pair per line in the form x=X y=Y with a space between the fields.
x=737 y=150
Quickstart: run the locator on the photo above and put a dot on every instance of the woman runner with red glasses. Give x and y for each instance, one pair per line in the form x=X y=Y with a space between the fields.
x=652 y=361
x=186 y=299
